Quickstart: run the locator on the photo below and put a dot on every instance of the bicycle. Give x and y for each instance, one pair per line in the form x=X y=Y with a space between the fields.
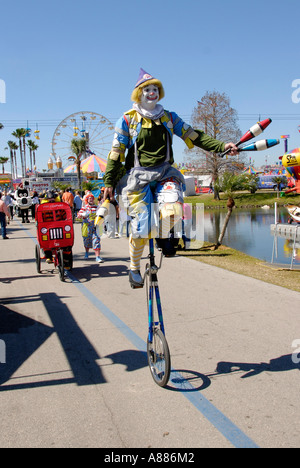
x=158 y=353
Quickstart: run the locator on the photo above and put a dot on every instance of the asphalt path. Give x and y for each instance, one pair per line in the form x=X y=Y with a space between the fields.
x=73 y=367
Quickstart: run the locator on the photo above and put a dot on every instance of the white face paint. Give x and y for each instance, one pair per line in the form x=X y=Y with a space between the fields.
x=149 y=97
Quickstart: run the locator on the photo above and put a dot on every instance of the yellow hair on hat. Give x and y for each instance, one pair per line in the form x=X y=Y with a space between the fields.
x=137 y=92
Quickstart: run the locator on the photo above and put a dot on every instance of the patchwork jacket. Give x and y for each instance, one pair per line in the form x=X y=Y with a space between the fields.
x=128 y=129
x=129 y=126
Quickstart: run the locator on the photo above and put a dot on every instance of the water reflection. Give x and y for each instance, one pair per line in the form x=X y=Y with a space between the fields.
x=249 y=231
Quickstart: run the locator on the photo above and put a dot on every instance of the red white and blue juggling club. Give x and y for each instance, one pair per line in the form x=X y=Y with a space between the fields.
x=260 y=145
x=254 y=131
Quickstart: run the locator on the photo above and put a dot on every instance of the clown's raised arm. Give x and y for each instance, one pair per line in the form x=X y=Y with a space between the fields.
x=146 y=132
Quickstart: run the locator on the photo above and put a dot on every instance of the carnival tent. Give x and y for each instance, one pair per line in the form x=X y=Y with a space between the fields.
x=250 y=170
x=91 y=164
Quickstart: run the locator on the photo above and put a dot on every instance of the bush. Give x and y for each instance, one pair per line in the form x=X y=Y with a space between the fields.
x=229 y=183
x=250 y=182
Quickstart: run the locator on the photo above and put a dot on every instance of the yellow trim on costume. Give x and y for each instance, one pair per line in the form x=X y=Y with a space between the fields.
x=147 y=123
x=189 y=143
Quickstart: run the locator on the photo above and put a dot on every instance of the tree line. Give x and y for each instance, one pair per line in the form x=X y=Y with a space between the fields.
x=20 y=134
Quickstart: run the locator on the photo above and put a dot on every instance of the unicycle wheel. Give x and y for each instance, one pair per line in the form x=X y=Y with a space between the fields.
x=159 y=360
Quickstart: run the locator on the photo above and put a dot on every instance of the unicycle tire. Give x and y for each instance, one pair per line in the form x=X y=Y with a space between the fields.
x=159 y=360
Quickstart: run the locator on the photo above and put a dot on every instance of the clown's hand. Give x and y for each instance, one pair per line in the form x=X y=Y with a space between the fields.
x=233 y=149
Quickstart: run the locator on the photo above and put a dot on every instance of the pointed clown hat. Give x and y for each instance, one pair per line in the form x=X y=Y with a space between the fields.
x=145 y=79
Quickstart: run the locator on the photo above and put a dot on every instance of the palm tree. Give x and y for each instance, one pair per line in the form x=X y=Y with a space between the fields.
x=24 y=149
x=20 y=133
x=278 y=180
x=34 y=147
x=13 y=147
x=30 y=144
x=3 y=161
x=78 y=147
x=250 y=182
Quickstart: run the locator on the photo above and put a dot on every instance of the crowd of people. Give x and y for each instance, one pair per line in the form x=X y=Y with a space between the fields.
x=84 y=206
x=10 y=199
x=140 y=171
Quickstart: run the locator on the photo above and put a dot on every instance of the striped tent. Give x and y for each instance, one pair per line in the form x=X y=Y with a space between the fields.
x=250 y=170
x=91 y=164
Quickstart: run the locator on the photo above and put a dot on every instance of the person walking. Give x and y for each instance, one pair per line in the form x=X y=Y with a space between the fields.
x=3 y=213
x=77 y=203
x=35 y=203
x=8 y=202
x=68 y=198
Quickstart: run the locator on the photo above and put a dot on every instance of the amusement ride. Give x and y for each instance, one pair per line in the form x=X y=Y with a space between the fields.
x=96 y=129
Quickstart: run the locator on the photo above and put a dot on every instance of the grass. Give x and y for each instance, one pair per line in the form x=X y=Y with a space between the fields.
x=245 y=199
x=234 y=260
x=238 y=262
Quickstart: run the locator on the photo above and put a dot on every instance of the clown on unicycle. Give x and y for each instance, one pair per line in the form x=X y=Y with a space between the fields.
x=140 y=168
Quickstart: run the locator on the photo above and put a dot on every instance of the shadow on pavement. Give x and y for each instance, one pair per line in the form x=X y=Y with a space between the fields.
x=23 y=336
x=281 y=364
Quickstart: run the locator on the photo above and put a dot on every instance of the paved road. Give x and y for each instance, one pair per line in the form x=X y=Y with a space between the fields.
x=76 y=373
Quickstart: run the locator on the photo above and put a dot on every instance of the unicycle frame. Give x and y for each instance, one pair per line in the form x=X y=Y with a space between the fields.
x=151 y=272
x=158 y=353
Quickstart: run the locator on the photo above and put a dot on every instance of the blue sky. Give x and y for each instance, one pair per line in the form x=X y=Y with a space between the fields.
x=63 y=57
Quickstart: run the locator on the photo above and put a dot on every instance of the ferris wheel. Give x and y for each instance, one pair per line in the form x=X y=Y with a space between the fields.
x=96 y=129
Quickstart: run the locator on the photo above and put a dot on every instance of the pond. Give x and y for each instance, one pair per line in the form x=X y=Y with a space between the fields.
x=250 y=232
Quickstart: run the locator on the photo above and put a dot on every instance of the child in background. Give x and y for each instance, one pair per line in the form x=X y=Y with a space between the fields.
x=91 y=240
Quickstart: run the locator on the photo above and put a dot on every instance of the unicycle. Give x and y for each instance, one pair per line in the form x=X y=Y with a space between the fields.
x=158 y=353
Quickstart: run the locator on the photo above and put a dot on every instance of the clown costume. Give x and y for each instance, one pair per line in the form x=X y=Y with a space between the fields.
x=144 y=176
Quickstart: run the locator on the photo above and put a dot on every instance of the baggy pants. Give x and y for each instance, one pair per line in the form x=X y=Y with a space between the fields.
x=154 y=199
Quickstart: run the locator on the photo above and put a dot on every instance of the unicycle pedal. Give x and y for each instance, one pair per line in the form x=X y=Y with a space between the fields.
x=135 y=279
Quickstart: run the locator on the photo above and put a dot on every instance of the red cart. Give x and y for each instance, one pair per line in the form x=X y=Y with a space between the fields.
x=55 y=234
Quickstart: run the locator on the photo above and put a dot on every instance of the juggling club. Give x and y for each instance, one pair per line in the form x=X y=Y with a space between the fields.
x=260 y=145
x=254 y=131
